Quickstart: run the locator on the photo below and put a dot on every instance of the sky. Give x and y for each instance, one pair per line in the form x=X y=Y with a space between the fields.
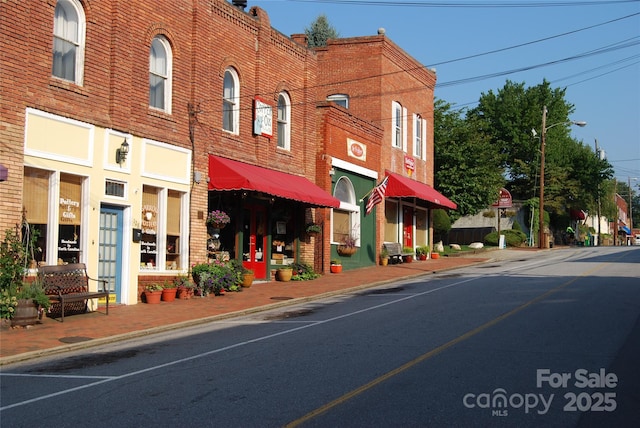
x=589 y=47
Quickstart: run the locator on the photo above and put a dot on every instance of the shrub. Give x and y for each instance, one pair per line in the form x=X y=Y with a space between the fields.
x=303 y=272
x=513 y=238
x=516 y=226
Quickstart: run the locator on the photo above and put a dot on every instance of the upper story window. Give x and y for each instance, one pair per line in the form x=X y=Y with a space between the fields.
x=399 y=126
x=340 y=99
x=230 y=101
x=160 y=74
x=419 y=136
x=68 y=41
x=284 y=121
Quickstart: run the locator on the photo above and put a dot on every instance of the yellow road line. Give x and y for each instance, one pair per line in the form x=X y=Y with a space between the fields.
x=348 y=396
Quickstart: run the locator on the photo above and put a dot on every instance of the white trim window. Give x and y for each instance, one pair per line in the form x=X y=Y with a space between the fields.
x=340 y=99
x=160 y=63
x=68 y=41
x=346 y=219
x=419 y=136
x=284 y=121
x=399 y=126
x=230 y=101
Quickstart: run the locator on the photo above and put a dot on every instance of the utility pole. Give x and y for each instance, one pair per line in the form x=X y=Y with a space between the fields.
x=541 y=240
x=599 y=206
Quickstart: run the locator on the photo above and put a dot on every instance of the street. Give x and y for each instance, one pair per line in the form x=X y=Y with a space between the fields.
x=549 y=339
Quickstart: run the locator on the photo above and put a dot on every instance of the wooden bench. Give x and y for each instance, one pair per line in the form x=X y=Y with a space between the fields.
x=68 y=288
x=395 y=252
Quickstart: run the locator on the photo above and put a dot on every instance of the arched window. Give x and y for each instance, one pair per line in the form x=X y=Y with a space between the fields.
x=160 y=74
x=345 y=220
x=68 y=41
x=284 y=121
x=230 y=101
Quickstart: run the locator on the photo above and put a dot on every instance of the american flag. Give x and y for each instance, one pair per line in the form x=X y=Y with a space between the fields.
x=377 y=194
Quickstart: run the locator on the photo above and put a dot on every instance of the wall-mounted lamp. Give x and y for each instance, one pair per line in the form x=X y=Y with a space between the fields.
x=121 y=152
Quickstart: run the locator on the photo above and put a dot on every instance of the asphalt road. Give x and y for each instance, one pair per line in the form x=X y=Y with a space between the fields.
x=548 y=339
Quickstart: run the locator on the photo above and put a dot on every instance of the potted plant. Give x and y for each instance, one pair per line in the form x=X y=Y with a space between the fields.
x=32 y=301
x=218 y=219
x=247 y=277
x=336 y=266
x=169 y=291
x=384 y=256
x=313 y=229
x=153 y=293
x=284 y=273
x=15 y=256
x=407 y=254
x=422 y=252
x=348 y=246
x=184 y=286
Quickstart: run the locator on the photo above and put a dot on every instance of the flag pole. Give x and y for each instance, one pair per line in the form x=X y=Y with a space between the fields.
x=372 y=189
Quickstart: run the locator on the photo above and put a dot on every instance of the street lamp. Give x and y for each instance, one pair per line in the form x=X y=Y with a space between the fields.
x=543 y=138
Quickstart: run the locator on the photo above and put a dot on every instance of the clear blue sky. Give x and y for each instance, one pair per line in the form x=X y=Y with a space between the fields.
x=603 y=86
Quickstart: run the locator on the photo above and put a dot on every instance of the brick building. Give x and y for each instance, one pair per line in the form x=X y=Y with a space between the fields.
x=124 y=124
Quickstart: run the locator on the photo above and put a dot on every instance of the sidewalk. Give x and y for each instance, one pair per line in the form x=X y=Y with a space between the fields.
x=92 y=329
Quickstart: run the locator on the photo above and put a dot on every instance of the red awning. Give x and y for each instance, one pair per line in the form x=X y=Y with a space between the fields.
x=403 y=187
x=227 y=174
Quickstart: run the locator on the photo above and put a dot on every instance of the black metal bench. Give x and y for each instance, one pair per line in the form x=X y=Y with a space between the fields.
x=395 y=252
x=68 y=288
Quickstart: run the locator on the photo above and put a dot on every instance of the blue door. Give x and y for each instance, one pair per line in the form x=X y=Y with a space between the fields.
x=110 y=250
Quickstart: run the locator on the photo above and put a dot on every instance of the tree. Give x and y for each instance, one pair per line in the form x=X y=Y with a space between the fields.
x=467 y=167
x=441 y=224
x=319 y=32
x=512 y=119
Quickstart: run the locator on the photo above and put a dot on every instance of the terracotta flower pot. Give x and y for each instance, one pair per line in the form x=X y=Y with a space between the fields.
x=336 y=268
x=153 y=297
x=435 y=255
x=247 y=279
x=169 y=294
x=184 y=293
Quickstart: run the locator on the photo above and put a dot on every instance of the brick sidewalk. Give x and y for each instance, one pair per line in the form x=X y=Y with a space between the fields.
x=85 y=330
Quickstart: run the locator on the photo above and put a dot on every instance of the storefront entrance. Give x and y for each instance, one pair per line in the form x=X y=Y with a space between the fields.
x=407 y=220
x=254 y=240
x=110 y=250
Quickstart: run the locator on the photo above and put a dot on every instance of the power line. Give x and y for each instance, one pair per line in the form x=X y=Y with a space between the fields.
x=474 y=5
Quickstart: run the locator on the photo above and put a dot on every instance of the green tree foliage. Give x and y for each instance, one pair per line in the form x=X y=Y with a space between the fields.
x=319 y=32
x=512 y=120
x=468 y=168
x=513 y=238
x=441 y=224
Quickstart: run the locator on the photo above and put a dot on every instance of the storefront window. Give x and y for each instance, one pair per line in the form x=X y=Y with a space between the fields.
x=282 y=235
x=173 y=230
x=346 y=226
x=149 y=240
x=422 y=226
x=391 y=221
x=36 y=207
x=70 y=216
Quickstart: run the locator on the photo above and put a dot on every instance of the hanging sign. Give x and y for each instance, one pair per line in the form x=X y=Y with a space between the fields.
x=409 y=165
x=262 y=118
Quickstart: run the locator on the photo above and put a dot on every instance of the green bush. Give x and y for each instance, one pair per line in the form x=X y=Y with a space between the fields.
x=513 y=238
x=303 y=272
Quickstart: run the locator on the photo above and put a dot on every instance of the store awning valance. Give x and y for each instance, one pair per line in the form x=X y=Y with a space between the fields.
x=403 y=187
x=226 y=174
x=625 y=229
